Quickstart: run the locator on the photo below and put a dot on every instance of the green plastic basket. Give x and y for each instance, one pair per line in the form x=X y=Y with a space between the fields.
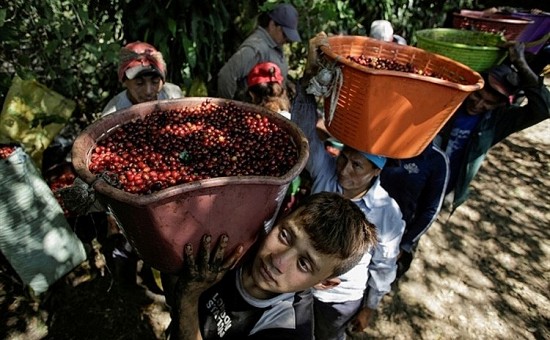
x=478 y=50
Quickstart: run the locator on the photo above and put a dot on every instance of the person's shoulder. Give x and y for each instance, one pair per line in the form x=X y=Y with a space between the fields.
x=118 y=102
x=386 y=206
x=258 y=38
x=379 y=195
x=171 y=91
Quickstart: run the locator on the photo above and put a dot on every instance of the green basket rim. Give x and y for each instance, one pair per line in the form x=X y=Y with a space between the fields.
x=420 y=36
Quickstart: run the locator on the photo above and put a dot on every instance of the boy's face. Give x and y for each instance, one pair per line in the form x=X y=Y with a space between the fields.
x=143 y=89
x=287 y=261
x=482 y=101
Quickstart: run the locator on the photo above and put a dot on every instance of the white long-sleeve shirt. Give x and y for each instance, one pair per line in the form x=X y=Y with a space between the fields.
x=378 y=267
x=121 y=100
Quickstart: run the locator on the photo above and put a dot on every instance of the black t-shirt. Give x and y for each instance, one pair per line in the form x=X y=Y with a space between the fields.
x=226 y=311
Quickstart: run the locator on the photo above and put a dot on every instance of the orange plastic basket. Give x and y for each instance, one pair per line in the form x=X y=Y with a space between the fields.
x=509 y=26
x=392 y=113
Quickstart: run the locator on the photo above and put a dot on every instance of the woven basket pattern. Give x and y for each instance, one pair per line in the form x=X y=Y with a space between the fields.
x=478 y=50
x=392 y=113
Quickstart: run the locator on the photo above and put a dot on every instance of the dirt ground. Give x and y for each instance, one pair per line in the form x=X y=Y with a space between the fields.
x=482 y=273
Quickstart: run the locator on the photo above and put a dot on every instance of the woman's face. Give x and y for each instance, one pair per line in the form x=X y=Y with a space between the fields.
x=143 y=89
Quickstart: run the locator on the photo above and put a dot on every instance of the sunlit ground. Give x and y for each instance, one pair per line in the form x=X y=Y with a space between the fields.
x=484 y=273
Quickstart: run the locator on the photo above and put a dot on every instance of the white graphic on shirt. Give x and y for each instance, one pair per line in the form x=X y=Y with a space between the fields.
x=456 y=140
x=411 y=168
x=217 y=308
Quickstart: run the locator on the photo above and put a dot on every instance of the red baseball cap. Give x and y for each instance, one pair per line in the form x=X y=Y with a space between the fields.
x=139 y=58
x=266 y=72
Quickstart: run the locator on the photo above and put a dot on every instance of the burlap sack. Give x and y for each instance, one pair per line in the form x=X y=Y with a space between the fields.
x=33 y=115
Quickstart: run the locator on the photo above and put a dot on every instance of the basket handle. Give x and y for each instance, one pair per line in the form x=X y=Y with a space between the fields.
x=542 y=40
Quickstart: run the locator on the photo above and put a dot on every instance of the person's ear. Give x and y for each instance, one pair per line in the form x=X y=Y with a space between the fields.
x=272 y=26
x=377 y=172
x=328 y=283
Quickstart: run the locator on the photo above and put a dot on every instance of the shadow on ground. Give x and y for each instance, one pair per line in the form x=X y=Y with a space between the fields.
x=483 y=273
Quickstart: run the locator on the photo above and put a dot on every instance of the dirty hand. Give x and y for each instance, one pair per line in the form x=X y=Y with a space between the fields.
x=361 y=320
x=202 y=272
x=516 y=51
x=318 y=40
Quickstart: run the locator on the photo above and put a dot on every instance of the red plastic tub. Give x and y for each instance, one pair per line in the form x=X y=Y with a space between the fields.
x=509 y=26
x=160 y=224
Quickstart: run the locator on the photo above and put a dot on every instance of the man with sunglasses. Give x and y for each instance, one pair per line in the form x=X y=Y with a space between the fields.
x=275 y=28
x=489 y=115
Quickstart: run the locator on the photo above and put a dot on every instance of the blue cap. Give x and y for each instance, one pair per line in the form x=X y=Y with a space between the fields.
x=286 y=16
x=379 y=161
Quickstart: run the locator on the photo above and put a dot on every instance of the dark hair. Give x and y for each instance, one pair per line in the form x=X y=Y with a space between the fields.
x=272 y=96
x=264 y=19
x=491 y=90
x=336 y=226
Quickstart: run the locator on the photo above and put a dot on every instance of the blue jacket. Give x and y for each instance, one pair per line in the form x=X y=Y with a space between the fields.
x=418 y=186
x=493 y=128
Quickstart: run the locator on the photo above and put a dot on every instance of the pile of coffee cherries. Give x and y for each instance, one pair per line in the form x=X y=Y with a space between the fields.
x=391 y=65
x=60 y=178
x=6 y=151
x=480 y=27
x=188 y=144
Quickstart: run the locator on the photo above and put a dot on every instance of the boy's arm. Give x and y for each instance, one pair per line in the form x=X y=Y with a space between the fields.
x=186 y=324
x=304 y=110
x=304 y=114
x=197 y=276
x=382 y=268
x=516 y=118
x=527 y=77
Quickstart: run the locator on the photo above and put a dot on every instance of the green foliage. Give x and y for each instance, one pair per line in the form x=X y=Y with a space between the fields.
x=190 y=35
x=70 y=46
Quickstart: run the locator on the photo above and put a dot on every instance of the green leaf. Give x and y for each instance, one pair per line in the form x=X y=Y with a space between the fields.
x=88 y=69
x=190 y=53
x=91 y=29
x=2 y=16
x=184 y=157
x=172 y=26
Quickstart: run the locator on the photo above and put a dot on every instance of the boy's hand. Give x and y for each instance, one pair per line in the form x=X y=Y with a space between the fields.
x=202 y=272
x=516 y=51
x=528 y=78
x=314 y=44
x=361 y=320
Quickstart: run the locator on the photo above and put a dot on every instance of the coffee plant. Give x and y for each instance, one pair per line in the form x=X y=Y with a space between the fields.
x=72 y=46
